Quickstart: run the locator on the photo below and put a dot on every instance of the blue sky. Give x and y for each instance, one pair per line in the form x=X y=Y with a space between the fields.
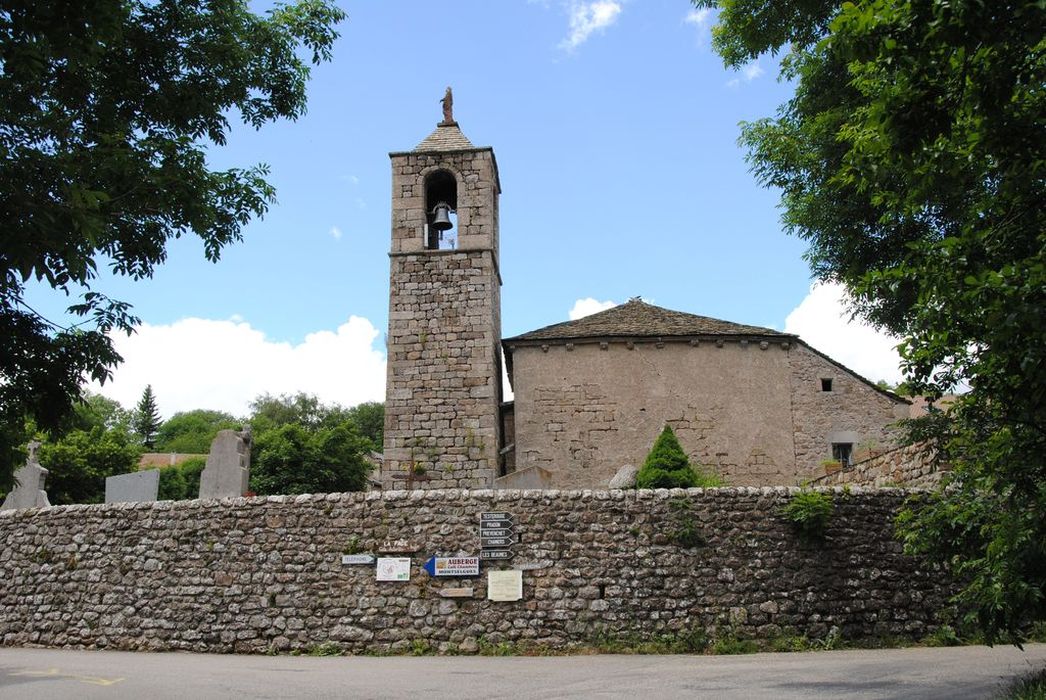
x=615 y=128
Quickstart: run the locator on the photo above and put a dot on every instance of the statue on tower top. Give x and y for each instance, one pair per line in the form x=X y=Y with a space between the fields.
x=448 y=108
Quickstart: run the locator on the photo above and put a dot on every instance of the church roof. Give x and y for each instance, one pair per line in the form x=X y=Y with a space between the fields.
x=446 y=137
x=637 y=319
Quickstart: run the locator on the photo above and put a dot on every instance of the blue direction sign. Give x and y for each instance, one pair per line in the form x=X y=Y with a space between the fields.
x=452 y=566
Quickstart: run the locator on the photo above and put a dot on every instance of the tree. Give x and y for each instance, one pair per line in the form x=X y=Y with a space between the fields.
x=193 y=431
x=80 y=462
x=107 y=110
x=667 y=466
x=147 y=417
x=369 y=419
x=911 y=160
x=294 y=459
x=304 y=446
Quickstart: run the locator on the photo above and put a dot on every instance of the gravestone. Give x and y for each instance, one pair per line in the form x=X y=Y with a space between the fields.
x=136 y=487
x=625 y=478
x=228 y=467
x=29 y=493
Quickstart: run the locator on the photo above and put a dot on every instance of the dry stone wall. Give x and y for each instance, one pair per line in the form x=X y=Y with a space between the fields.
x=264 y=574
x=911 y=466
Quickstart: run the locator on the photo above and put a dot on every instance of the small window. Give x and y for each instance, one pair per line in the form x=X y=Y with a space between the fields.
x=842 y=451
x=826 y=385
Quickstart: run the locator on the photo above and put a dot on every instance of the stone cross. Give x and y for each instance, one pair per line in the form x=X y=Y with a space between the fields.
x=29 y=491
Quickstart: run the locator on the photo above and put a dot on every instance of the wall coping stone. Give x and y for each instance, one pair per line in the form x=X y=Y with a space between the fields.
x=442 y=495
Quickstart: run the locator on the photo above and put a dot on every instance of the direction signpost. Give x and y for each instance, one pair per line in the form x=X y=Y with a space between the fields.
x=497 y=534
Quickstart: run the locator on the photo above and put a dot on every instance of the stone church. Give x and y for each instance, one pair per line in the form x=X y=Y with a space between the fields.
x=755 y=405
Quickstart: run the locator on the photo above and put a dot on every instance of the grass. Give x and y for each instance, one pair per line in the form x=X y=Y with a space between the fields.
x=1032 y=687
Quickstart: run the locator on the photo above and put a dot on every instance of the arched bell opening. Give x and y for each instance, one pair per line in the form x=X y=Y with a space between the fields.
x=441 y=207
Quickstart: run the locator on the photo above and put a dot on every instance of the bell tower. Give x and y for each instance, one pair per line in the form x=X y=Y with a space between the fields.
x=443 y=388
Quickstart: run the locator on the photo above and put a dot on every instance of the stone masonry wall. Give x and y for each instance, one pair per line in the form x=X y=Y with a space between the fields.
x=852 y=411
x=584 y=410
x=265 y=574
x=442 y=398
x=911 y=466
x=443 y=386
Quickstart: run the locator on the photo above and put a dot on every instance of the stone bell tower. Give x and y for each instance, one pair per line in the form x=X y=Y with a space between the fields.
x=443 y=390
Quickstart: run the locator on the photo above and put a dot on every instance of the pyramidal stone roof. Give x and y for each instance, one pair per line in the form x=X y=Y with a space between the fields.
x=637 y=319
x=446 y=137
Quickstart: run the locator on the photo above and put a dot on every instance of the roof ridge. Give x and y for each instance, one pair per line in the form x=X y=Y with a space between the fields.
x=641 y=319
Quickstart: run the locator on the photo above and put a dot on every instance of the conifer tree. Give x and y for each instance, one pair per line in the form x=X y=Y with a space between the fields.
x=667 y=465
x=147 y=417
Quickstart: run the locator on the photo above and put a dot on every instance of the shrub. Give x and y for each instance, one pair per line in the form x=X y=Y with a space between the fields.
x=191 y=470
x=666 y=466
x=172 y=484
x=809 y=512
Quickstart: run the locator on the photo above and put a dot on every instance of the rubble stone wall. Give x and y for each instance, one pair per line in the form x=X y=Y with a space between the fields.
x=909 y=466
x=265 y=574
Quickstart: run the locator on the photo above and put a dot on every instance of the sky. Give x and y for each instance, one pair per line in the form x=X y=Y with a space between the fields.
x=615 y=129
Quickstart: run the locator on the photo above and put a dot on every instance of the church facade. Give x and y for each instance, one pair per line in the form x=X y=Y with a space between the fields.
x=757 y=406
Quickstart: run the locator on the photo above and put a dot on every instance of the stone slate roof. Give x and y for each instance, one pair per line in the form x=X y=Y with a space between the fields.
x=637 y=319
x=446 y=137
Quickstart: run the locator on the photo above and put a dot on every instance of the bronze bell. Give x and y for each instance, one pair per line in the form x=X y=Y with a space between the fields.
x=441 y=217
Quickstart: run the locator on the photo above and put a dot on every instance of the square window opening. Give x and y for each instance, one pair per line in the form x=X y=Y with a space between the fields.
x=843 y=452
x=826 y=385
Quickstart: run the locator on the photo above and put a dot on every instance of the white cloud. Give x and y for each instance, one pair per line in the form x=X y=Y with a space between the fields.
x=335 y=233
x=589 y=17
x=223 y=365
x=822 y=320
x=588 y=306
x=748 y=73
x=698 y=18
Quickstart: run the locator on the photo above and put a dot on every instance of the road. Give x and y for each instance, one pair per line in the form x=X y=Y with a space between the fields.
x=955 y=673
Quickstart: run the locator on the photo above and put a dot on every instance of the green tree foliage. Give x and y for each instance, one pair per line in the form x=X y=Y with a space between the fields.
x=192 y=432
x=191 y=470
x=292 y=458
x=667 y=465
x=97 y=411
x=108 y=108
x=304 y=446
x=173 y=485
x=911 y=160
x=369 y=419
x=146 y=419
x=80 y=462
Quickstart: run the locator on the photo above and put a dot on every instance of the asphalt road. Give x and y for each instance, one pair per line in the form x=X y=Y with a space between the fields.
x=952 y=674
